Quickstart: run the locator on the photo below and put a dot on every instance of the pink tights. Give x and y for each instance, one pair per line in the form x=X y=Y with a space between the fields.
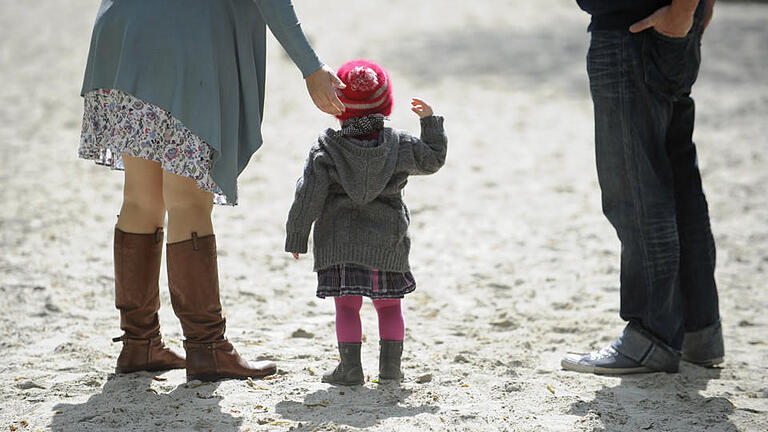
x=348 y=329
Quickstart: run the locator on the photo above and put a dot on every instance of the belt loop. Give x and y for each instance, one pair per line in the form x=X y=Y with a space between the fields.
x=159 y=234
x=194 y=241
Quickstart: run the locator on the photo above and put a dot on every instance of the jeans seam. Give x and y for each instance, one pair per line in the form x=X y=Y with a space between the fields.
x=631 y=172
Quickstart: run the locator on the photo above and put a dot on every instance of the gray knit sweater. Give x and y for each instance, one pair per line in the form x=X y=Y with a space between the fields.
x=353 y=194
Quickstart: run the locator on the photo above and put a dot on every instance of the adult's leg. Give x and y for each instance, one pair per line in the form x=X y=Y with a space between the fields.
x=697 y=245
x=637 y=187
x=189 y=208
x=636 y=181
x=143 y=209
x=703 y=340
x=138 y=248
x=194 y=285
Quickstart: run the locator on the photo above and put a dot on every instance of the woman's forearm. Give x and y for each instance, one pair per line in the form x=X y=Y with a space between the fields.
x=284 y=24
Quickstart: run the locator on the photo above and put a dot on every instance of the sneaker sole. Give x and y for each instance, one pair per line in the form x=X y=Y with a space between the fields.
x=578 y=367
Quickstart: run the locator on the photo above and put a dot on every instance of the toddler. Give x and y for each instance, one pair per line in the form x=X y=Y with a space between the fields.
x=351 y=190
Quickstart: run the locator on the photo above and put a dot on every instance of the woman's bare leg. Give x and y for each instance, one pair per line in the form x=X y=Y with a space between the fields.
x=138 y=251
x=189 y=208
x=194 y=285
x=143 y=209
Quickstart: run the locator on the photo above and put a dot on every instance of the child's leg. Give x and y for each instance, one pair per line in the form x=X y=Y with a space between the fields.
x=348 y=328
x=348 y=331
x=391 y=321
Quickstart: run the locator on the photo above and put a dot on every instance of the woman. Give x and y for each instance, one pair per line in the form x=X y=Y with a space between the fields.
x=174 y=94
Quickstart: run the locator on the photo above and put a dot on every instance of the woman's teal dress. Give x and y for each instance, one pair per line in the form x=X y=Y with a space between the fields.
x=203 y=61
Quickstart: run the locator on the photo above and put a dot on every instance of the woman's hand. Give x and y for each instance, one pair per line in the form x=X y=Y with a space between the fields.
x=421 y=108
x=295 y=255
x=322 y=85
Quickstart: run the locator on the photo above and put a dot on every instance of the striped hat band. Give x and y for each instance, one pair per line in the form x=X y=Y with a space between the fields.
x=376 y=100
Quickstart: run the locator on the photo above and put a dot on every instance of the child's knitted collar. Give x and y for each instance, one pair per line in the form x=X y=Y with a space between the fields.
x=361 y=126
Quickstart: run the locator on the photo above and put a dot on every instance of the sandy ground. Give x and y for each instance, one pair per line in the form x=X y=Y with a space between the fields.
x=514 y=260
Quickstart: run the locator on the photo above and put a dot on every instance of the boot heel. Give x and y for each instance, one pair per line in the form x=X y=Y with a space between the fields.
x=203 y=377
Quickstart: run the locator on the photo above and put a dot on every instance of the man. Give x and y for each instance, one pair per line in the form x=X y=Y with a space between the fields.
x=643 y=59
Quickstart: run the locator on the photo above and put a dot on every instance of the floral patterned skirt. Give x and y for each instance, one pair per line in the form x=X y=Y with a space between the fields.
x=350 y=279
x=115 y=122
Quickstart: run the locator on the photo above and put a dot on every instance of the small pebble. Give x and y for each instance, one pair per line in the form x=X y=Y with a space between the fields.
x=28 y=384
x=424 y=379
x=301 y=333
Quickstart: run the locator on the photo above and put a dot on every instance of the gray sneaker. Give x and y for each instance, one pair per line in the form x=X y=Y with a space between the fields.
x=603 y=362
x=635 y=351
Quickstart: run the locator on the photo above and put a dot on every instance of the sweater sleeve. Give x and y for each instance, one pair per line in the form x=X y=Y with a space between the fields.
x=283 y=23
x=425 y=155
x=311 y=191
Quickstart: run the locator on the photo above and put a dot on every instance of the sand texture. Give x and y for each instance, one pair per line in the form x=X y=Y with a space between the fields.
x=515 y=263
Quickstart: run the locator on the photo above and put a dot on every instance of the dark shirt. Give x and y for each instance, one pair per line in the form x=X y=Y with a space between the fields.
x=618 y=14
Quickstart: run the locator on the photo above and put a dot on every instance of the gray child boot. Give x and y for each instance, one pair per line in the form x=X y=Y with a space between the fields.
x=390 y=352
x=349 y=372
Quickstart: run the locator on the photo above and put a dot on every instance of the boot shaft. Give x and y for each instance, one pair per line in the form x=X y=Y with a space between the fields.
x=390 y=355
x=193 y=280
x=137 y=270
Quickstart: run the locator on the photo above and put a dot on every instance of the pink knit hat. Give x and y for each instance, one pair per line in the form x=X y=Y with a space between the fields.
x=368 y=90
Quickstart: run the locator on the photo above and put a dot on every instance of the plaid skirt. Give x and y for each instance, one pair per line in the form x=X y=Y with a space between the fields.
x=350 y=279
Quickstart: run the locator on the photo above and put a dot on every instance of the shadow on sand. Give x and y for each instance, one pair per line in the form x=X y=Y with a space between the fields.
x=127 y=402
x=640 y=402
x=358 y=407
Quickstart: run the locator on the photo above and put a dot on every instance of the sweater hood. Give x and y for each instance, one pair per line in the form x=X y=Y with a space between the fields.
x=362 y=171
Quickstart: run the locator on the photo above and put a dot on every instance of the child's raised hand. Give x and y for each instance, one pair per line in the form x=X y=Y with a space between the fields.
x=295 y=255
x=421 y=108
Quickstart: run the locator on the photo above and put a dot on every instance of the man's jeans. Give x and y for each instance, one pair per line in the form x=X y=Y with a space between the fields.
x=650 y=182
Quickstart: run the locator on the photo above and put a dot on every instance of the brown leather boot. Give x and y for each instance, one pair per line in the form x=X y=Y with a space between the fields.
x=137 y=296
x=194 y=282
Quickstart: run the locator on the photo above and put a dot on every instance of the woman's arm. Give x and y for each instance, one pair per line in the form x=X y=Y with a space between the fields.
x=284 y=24
x=320 y=79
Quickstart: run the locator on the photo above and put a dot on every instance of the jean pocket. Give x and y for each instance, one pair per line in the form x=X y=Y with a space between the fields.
x=670 y=64
x=604 y=60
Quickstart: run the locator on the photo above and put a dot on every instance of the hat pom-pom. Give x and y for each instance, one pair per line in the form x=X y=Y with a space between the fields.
x=362 y=78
